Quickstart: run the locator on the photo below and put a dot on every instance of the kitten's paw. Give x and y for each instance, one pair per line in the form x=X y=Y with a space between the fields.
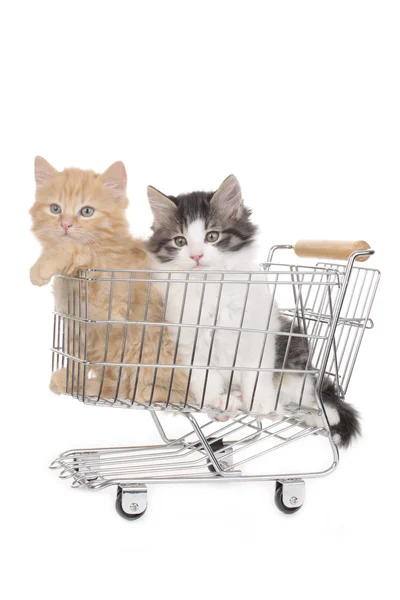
x=58 y=382
x=153 y=394
x=235 y=403
x=92 y=388
x=40 y=275
x=313 y=419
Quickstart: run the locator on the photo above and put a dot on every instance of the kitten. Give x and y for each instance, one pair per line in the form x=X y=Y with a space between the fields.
x=80 y=219
x=200 y=232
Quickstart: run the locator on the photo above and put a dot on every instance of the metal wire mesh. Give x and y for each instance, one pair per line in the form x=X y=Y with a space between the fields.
x=113 y=344
x=235 y=445
x=354 y=320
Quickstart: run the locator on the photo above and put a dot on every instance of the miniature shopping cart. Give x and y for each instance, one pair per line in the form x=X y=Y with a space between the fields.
x=327 y=307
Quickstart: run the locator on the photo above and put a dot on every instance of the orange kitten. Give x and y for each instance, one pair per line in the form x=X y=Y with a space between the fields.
x=79 y=217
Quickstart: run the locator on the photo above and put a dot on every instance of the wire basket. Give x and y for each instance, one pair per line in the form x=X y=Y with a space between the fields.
x=90 y=347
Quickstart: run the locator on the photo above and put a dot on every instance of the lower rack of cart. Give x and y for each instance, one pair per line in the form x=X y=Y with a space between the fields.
x=208 y=452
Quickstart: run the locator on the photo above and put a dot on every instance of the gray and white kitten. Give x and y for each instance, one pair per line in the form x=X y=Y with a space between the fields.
x=213 y=231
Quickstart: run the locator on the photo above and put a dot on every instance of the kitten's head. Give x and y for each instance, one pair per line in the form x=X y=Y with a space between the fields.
x=77 y=206
x=201 y=230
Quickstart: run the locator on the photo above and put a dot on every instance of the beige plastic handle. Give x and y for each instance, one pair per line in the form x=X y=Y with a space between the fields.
x=331 y=249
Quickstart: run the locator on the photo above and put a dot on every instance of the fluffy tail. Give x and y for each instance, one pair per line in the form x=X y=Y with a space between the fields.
x=344 y=420
x=347 y=426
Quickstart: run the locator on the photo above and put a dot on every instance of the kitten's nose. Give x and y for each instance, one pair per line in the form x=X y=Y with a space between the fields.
x=66 y=225
x=197 y=257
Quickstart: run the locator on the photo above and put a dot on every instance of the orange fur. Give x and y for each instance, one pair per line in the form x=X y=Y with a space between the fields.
x=101 y=241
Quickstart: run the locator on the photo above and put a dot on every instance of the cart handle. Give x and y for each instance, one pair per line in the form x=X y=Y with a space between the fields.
x=331 y=249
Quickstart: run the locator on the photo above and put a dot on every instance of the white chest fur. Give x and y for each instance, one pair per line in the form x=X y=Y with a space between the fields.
x=223 y=324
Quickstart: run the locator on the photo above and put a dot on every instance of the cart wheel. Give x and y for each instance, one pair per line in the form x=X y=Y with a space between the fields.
x=131 y=505
x=216 y=446
x=293 y=496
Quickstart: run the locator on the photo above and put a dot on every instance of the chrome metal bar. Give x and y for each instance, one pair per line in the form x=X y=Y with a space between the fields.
x=196 y=281
x=53 y=355
x=208 y=449
x=248 y=282
x=201 y=367
x=283 y=370
x=142 y=340
x=79 y=336
x=110 y=301
x=160 y=429
x=128 y=309
x=84 y=274
x=374 y=287
x=301 y=322
x=160 y=339
x=73 y=344
x=275 y=248
x=178 y=336
x=267 y=331
x=68 y=341
x=212 y=342
x=196 y=335
x=186 y=325
x=335 y=319
x=355 y=307
x=85 y=351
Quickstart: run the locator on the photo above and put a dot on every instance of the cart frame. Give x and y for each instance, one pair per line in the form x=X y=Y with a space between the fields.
x=212 y=451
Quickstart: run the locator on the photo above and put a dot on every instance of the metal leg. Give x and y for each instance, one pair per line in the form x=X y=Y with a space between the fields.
x=207 y=446
x=160 y=428
x=226 y=455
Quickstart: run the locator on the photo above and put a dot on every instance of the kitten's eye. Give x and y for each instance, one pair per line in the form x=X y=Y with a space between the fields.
x=87 y=211
x=212 y=236
x=55 y=209
x=180 y=241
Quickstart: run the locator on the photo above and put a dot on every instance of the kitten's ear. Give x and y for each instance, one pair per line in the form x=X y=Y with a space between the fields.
x=228 y=197
x=115 y=179
x=43 y=171
x=161 y=206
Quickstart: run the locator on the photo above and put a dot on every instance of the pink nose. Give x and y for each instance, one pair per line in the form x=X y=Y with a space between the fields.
x=197 y=257
x=66 y=225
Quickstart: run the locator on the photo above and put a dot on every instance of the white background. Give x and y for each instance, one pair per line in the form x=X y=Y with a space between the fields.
x=300 y=100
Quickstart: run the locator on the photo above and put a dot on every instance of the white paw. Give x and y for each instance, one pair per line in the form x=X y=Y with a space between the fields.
x=234 y=404
x=312 y=420
x=332 y=415
x=315 y=420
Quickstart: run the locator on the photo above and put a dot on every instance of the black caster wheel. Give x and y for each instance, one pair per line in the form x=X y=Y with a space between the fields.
x=133 y=506
x=279 y=501
x=216 y=445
